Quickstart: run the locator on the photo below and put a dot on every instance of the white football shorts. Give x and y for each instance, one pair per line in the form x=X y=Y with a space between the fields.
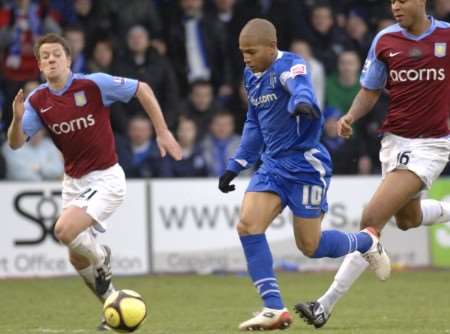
x=425 y=157
x=100 y=192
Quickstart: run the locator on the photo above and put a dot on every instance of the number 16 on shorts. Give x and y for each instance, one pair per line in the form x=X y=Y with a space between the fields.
x=403 y=158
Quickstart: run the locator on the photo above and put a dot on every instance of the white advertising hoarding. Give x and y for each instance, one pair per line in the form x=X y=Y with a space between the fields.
x=27 y=247
x=193 y=227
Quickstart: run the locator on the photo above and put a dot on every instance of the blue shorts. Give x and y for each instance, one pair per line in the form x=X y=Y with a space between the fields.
x=305 y=193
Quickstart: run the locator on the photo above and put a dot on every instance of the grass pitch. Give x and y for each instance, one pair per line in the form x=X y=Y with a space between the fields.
x=410 y=302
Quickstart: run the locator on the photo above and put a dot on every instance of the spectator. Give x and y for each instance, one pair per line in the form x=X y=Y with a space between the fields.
x=238 y=105
x=193 y=163
x=197 y=47
x=200 y=105
x=92 y=17
x=61 y=12
x=220 y=143
x=125 y=14
x=328 y=40
x=303 y=49
x=358 y=31
x=342 y=87
x=20 y=25
x=368 y=131
x=75 y=37
x=384 y=23
x=143 y=62
x=290 y=18
x=441 y=10
x=102 y=57
x=37 y=160
x=29 y=86
x=224 y=11
x=344 y=153
x=138 y=153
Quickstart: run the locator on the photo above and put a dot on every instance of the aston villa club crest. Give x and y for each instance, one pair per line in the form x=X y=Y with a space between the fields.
x=80 y=98
x=440 y=50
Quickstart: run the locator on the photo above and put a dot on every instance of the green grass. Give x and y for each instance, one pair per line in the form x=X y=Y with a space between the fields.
x=411 y=302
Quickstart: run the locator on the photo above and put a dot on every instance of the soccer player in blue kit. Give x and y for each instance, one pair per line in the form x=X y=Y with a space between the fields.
x=283 y=129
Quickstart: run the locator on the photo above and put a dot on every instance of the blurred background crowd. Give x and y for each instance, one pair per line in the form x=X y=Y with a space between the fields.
x=187 y=51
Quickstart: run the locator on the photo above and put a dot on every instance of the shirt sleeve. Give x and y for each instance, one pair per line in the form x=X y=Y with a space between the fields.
x=251 y=145
x=296 y=80
x=114 y=88
x=374 y=72
x=31 y=123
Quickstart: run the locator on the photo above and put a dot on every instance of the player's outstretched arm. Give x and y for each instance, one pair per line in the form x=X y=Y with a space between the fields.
x=362 y=104
x=164 y=138
x=16 y=137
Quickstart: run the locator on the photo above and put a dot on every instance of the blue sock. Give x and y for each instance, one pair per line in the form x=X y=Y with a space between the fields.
x=335 y=243
x=260 y=269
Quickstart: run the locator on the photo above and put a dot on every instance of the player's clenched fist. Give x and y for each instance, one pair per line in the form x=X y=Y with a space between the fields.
x=18 y=107
x=344 y=126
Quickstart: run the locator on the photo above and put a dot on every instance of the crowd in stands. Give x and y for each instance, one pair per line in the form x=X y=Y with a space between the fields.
x=187 y=51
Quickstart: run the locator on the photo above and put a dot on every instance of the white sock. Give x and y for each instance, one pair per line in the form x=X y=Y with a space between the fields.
x=88 y=275
x=351 y=268
x=434 y=212
x=86 y=245
x=89 y=278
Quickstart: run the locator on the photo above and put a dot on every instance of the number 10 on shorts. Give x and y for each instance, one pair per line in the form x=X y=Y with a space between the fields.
x=312 y=195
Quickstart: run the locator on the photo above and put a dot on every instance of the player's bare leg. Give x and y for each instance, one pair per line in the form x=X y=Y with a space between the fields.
x=311 y=241
x=85 y=253
x=415 y=213
x=307 y=232
x=90 y=259
x=315 y=243
x=86 y=271
x=257 y=212
x=72 y=230
x=316 y=313
x=423 y=212
x=396 y=190
x=307 y=236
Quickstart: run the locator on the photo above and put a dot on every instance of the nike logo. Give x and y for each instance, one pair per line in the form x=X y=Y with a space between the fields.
x=43 y=110
x=393 y=54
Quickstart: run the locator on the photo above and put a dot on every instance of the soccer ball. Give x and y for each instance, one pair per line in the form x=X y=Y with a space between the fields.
x=124 y=311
